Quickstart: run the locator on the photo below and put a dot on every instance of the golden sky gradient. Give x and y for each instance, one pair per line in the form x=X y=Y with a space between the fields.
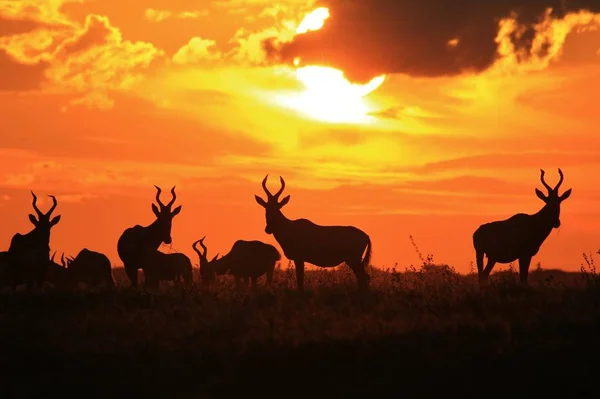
x=102 y=99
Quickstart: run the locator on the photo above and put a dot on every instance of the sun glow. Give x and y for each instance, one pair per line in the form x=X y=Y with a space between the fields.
x=328 y=96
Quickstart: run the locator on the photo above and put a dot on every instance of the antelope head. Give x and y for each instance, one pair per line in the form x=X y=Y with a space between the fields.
x=207 y=274
x=43 y=222
x=164 y=214
x=272 y=205
x=552 y=199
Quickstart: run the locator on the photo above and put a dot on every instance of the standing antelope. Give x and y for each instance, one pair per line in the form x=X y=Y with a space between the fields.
x=176 y=267
x=323 y=246
x=28 y=254
x=246 y=260
x=520 y=236
x=138 y=241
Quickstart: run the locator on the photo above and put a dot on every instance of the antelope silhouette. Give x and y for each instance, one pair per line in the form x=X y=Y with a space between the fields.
x=29 y=254
x=89 y=267
x=247 y=260
x=176 y=267
x=138 y=241
x=323 y=246
x=58 y=274
x=520 y=236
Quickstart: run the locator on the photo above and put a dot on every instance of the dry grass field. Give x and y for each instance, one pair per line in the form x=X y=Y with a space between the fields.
x=418 y=333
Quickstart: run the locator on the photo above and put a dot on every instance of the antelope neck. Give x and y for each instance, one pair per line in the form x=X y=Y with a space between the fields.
x=544 y=220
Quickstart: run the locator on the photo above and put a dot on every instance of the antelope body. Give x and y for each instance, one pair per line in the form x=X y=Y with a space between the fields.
x=246 y=260
x=28 y=255
x=139 y=242
x=323 y=246
x=176 y=267
x=520 y=236
x=90 y=267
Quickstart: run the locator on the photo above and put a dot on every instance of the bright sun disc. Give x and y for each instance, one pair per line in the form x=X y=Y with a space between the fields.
x=327 y=94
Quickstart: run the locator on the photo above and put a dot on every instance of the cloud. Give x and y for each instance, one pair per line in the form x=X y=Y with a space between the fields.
x=18 y=77
x=158 y=16
x=97 y=59
x=434 y=38
x=196 y=51
x=91 y=59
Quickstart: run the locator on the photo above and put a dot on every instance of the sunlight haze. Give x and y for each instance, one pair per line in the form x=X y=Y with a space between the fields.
x=426 y=134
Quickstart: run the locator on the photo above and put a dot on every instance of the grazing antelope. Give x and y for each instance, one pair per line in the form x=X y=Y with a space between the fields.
x=246 y=260
x=176 y=267
x=28 y=254
x=58 y=274
x=520 y=236
x=323 y=246
x=138 y=241
x=90 y=267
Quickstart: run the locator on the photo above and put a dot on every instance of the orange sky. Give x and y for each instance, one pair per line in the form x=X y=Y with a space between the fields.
x=102 y=99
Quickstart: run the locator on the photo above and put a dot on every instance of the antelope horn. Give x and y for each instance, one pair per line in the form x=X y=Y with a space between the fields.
x=35 y=208
x=52 y=257
x=172 y=200
x=278 y=193
x=264 y=186
x=215 y=258
x=54 y=203
x=158 y=191
x=544 y=181
x=201 y=241
x=62 y=260
x=195 y=247
x=562 y=177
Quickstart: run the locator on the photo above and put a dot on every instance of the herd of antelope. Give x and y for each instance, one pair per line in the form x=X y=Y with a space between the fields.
x=28 y=259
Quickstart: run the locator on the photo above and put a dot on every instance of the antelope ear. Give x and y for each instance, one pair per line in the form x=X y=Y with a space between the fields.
x=55 y=220
x=565 y=195
x=155 y=210
x=540 y=195
x=260 y=201
x=176 y=211
x=284 y=201
x=33 y=220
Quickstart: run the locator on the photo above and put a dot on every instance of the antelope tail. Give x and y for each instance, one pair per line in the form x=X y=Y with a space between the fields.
x=367 y=258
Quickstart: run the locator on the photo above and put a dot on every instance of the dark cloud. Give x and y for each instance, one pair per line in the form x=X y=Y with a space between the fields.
x=369 y=37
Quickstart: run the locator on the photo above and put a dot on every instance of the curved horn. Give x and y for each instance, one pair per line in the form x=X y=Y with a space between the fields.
x=54 y=203
x=195 y=247
x=215 y=257
x=201 y=241
x=62 y=260
x=278 y=193
x=264 y=186
x=172 y=200
x=52 y=257
x=562 y=177
x=544 y=181
x=35 y=208
x=158 y=191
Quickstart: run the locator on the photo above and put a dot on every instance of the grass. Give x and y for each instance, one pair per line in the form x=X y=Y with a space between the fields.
x=418 y=333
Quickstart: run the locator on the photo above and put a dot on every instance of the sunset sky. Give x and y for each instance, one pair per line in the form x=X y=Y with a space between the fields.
x=102 y=99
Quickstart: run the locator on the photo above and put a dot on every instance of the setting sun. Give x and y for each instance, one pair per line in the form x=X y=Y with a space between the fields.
x=327 y=95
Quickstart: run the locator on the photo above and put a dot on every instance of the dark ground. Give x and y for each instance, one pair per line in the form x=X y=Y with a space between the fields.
x=417 y=334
